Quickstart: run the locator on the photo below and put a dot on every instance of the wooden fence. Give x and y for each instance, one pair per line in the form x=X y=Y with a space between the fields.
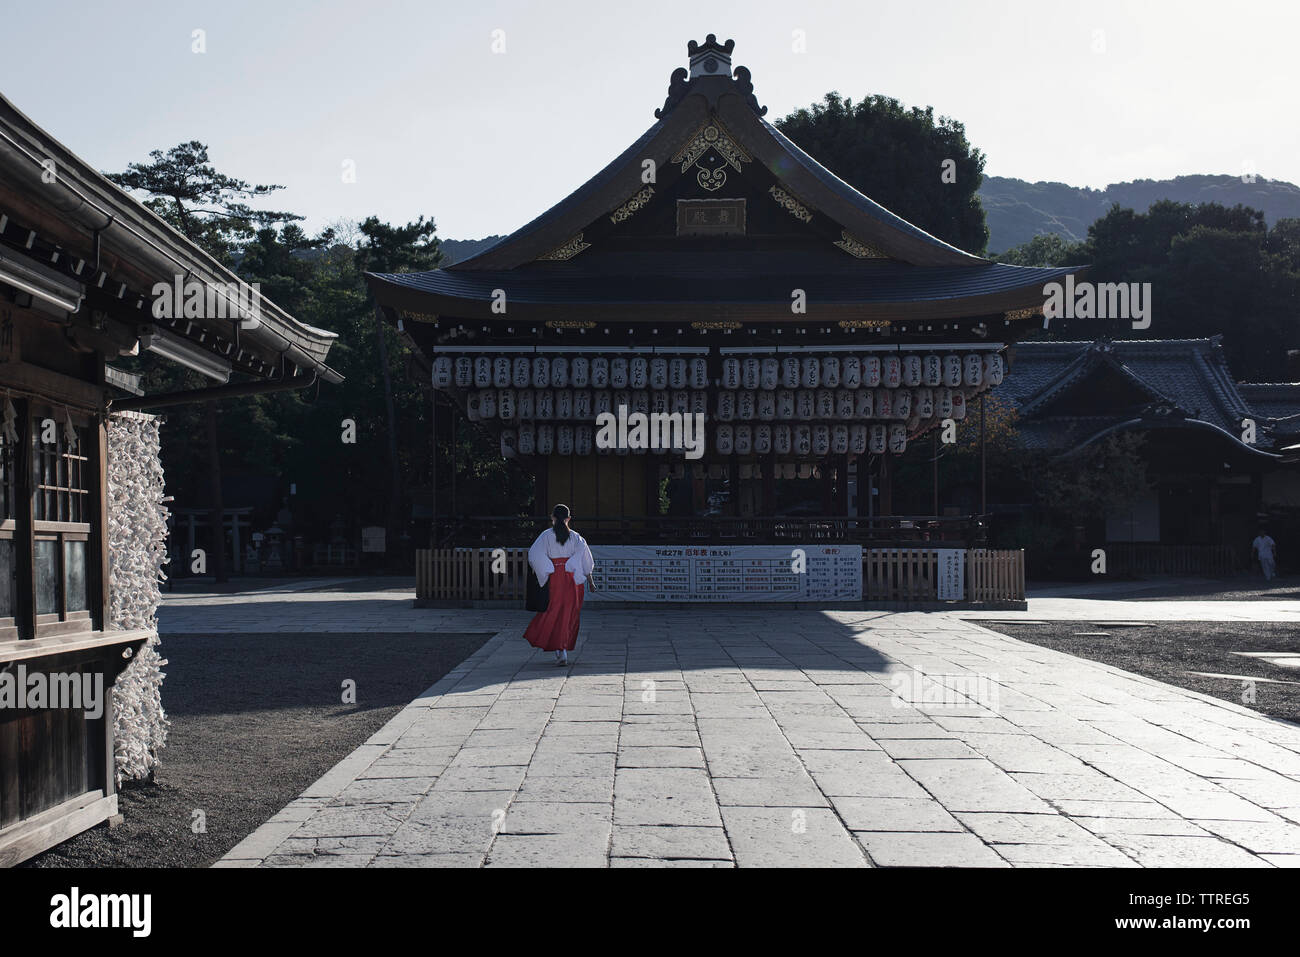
x=1142 y=558
x=888 y=574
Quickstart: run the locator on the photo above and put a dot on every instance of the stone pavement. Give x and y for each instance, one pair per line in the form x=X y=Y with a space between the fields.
x=752 y=737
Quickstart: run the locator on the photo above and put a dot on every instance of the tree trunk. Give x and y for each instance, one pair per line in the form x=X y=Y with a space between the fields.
x=216 y=518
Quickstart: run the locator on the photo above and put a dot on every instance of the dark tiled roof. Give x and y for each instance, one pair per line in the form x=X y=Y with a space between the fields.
x=1278 y=402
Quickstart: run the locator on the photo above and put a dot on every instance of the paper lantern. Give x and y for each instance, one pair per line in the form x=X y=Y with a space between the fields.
x=541 y=372
x=912 y=370
x=825 y=404
x=810 y=373
x=763 y=439
x=658 y=373
x=726 y=406
x=790 y=372
x=802 y=440
x=723 y=439
x=805 y=404
x=745 y=406
x=891 y=374
x=898 y=439
x=681 y=401
x=884 y=403
x=600 y=373
x=699 y=373
x=579 y=373
x=641 y=401
x=943 y=402
x=506 y=403
x=444 y=372
x=677 y=373
x=700 y=403
x=464 y=372
x=521 y=373
x=781 y=440
x=973 y=370
x=840 y=440
x=769 y=376
x=871 y=371
x=509 y=444
x=527 y=440
x=472 y=402
x=785 y=404
x=563 y=403
x=564 y=440
x=731 y=373
x=993 y=370
x=582 y=404
x=858 y=439
x=951 y=371
x=638 y=374
x=501 y=372
x=582 y=440
x=622 y=399
x=932 y=370
x=925 y=403
x=525 y=404
x=851 y=372
x=559 y=373
x=744 y=440
x=831 y=372
x=545 y=404
x=864 y=404
x=844 y=403
x=618 y=373
x=545 y=439
x=821 y=440
x=750 y=368
x=958 y=404
x=765 y=405
x=879 y=440
x=482 y=372
x=658 y=401
x=902 y=403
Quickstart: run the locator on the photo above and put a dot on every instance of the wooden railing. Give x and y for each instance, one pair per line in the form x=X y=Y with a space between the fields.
x=1143 y=558
x=888 y=574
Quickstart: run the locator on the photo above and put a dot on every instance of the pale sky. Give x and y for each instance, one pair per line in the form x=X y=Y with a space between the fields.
x=437 y=124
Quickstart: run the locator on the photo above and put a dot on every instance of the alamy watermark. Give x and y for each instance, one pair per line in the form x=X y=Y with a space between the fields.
x=180 y=299
x=1105 y=300
x=659 y=431
x=966 y=690
x=37 y=690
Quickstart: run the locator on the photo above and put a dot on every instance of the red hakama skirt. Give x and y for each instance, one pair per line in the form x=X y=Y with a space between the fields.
x=557 y=627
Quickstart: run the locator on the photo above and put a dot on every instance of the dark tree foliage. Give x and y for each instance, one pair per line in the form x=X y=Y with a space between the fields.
x=896 y=156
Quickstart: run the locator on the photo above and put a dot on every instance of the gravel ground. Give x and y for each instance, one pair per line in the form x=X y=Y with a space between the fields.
x=1243 y=587
x=255 y=719
x=1166 y=651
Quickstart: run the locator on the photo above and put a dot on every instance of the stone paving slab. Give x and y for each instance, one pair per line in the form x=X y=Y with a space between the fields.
x=753 y=737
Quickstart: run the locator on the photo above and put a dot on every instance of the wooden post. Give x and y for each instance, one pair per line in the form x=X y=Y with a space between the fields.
x=984 y=504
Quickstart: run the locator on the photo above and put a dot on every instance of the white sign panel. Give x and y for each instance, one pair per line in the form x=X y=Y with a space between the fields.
x=742 y=573
x=372 y=538
x=952 y=574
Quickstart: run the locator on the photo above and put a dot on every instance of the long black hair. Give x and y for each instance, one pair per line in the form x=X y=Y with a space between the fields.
x=560 y=514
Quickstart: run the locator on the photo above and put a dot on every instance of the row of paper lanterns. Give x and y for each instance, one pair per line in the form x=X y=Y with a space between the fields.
x=750 y=373
x=765 y=406
x=803 y=440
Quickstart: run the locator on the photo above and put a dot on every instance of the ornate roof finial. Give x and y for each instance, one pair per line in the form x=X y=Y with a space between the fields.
x=710 y=58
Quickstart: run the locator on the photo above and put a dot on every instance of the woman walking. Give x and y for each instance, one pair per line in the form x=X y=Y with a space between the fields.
x=560 y=556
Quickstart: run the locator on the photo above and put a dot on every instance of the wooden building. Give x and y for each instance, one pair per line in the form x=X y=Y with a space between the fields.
x=714 y=268
x=81 y=268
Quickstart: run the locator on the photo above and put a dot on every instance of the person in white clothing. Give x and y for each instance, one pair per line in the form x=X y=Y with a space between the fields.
x=1264 y=547
x=560 y=557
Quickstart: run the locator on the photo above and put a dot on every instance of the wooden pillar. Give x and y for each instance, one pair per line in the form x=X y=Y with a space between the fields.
x=24 y=537
x=886 y=485
x=984 y=504
x=433 y=466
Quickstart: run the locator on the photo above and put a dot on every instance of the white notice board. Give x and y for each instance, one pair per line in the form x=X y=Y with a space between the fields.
x=740 y=573
x=952 y=574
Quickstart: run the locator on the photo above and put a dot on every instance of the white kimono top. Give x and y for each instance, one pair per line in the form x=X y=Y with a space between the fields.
x=547 y=548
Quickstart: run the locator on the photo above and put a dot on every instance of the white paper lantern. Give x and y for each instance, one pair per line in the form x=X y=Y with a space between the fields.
x=785 y=404
x=501 y=372
x=622 y=398
x=769 y=376
x=891 y=374
x=564 y=440
x=831 y=372
x=472 y=402
x=541 y=372
x=858 y=439
x=723 y=440
x=726 y=406
x=525 y=403
x=618 y=373
x=871 y=371
x=790 y=372
x=444 y=372
x=898 y=439
x=750 y=368
x=464 y=372
x=884 y=404
x=943 y=402
x=821 y=440
x=844 y=403
x=582 y=404
x=579 y=373
x=958 y=404
x=744 y=440
x=802 y=440
x=763 y=439
x=506 y=403
x=911 y=369
x=993 y=370
x=527 y=440
x=851 y=372
x=638 y=373
x=805 y=404
x=482 y=372
x=973 y=370
x=864 y=406
x=700 y=403
x=582 y=440
x=745 y=406
x=658 y=401
x=765 y=405
x=840 y=440
x=681 y=401
x=925 y=403
x=509 y=444
x=932 y=370
x=641 y=401
x=658 y=373
x=731 y=373
x=825 y=404
x=563 y=404
x=559 y=372
x=600 y=373
x=781 y=440
x=521 y=373
x=545 y=439
x=677 y=373
x=879 y=440
x=952 y=371
x=545 y=404
x=810 y=373
x=699 y=373
x=902 y=403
